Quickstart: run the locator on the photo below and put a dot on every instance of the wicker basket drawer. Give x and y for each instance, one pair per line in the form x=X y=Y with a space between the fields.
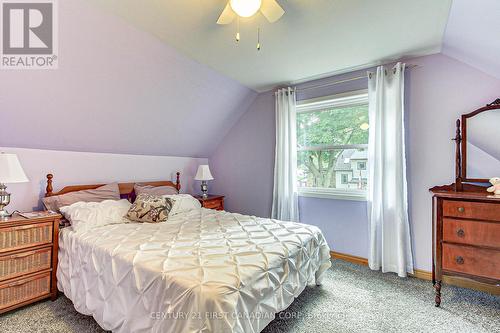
x=23 y=290
x=13 y=265
x=23 y=236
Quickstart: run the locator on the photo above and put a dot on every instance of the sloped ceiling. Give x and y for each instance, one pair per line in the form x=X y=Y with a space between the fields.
x=117 y=90
x=312 y=39
x=159 y=77
x=472 y=34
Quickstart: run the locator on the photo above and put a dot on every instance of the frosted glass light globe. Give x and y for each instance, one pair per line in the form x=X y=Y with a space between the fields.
x=245 y=8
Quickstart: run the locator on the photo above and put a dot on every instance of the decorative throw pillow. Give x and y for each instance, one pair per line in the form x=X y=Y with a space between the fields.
x=84 y=216
x=150 y=208
x=154 y=190
x=183 y=203
x=106 y=192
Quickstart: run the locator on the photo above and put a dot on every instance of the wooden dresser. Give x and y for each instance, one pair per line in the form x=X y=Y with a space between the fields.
x=28 y=260
x=466 y=236
x=212 y=201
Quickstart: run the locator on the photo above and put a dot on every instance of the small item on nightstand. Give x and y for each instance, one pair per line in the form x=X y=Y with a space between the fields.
x=204 y=174
x=10 y=172
x=43 y=213
x=211 y=201
x=495 y=189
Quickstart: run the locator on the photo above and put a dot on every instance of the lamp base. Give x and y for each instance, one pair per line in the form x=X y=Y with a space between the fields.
x=4 y=201
x=4 y=214
x=204 y=189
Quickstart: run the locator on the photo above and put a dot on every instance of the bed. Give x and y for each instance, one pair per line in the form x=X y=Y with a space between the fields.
x=201 y=271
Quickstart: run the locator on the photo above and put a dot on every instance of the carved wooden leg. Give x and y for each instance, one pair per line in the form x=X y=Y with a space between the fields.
x=437 y=286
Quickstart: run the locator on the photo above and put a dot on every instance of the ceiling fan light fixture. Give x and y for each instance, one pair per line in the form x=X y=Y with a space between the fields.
x=246 y=8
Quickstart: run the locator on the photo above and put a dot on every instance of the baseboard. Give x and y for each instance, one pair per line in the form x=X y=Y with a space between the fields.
x=350 y=258
x=426 y=275
x=421 y=274
x=470 y=284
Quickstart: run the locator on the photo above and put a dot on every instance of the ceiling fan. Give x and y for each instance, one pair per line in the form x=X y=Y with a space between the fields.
x=271 y=10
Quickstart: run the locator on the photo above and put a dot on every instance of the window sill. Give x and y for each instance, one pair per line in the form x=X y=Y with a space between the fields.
x=334 y=194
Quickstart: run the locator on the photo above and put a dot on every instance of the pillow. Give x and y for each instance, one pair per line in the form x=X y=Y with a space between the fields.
x=154 y=190
x=150 y=208
x=183 y=203
x=84 y=216
x=106 y=192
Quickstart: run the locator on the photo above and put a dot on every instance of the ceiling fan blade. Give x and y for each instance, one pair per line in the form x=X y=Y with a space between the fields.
x=227 y=15
x=271 y=10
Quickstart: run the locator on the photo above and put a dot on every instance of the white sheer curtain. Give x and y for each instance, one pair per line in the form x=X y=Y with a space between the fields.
x=390 y=244
x=285 y=197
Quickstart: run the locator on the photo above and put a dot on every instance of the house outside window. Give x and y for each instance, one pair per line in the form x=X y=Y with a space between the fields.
x=332 y=146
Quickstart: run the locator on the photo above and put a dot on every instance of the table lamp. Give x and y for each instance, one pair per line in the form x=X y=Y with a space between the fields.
x=10 y=172
x=204 y=174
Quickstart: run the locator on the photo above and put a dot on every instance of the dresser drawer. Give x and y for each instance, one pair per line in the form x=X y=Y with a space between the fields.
x=21 y=263
x=472 y=210
x=471 y=260
x=19 y=237
x=471 y=232
x=24 y=289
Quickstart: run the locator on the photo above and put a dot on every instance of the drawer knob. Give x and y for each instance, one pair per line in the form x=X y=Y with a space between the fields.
x=461 y=209
x=459 y=260
x=460 y=233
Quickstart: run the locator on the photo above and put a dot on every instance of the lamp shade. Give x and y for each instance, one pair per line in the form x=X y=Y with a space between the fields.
x=11 y=170
x=246 y=8
x=203 y=173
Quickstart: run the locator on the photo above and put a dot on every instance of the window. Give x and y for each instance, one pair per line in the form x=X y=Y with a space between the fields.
x=332 y=143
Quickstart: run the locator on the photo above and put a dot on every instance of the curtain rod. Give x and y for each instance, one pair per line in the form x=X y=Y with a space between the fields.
x=342 y=81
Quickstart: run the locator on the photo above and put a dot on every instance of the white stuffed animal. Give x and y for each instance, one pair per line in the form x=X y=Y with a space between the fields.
x=495 y=189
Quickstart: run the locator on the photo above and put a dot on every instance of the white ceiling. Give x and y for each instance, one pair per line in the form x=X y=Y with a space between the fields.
x=314 y=38
x=473 y=32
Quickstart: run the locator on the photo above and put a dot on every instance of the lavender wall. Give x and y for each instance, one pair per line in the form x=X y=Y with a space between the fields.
x=343 y=222
x=73 y=168
x=117 y=90
x=243 y=164
x=438 y=91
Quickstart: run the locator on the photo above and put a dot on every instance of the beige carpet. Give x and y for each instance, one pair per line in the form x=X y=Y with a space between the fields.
x=352 y=299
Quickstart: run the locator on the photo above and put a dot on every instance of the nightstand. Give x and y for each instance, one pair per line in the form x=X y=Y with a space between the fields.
x=28 y=260
x=212 y=201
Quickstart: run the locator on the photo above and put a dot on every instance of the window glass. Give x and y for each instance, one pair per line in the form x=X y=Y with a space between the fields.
x=332 y=146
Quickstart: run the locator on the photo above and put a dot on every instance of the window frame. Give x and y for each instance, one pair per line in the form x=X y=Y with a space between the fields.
x=352 y=98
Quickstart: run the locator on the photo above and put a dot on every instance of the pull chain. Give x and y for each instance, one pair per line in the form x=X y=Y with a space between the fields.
x=237 y=37
x=237 y=29
x=258 y=39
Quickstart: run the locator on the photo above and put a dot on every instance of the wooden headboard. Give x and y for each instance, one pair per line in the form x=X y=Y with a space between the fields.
x=126 y=189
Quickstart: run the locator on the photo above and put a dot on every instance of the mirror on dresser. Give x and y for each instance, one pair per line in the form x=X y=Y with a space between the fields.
x=466 y=217
x=480 y=146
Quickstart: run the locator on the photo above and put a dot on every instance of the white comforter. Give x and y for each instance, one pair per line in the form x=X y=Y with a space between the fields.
x=201 y=271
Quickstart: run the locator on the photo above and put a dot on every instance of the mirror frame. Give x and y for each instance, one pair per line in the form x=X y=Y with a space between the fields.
x=461 y=169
